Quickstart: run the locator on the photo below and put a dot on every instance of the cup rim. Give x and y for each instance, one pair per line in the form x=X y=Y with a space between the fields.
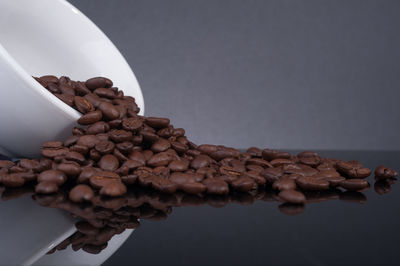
x=38 y=88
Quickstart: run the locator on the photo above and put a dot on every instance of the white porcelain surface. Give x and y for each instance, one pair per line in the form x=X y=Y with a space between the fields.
x=39 y=37
x=29 y=230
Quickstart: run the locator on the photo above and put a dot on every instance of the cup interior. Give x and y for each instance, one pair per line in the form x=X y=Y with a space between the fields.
x=53 y=37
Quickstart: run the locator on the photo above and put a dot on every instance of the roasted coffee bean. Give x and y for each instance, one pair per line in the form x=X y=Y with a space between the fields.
x=272 y=174
x=255 y=168
x=71 y=169
x=83 y=105
x=179 y=165
x=280 y=162
x=104 y=92
x=310 y=183
x=254 y=152
x=102 y=179
x=93 y=99
x=49 y=78
x=75 y=156
x=53 y=148
x=160 y=145
x=80 y=88
x=292 y=196
x=66 y=98
x=352 y=169
x=132 y=124
x=108 y=162
x=129 y=179
x=382 y=172
x=12 y=180
x=80 y=149
x=243 y=184
x=120 y=135
x=159 y=159
x=53 y=176
x=98 y=82
x=354 y=184
x=86 y=174
x=109 y=110
x=113 y=189
x=97 y=128
x=46 y=187
x=193 y=188
x=105 y=147
x=200 y=161
x=284 y=184
x=256 y=177
x=216 y=186
x=164 y=185
x=89 y=141
x=260 y=162
x=157 y=122
x=90 y=118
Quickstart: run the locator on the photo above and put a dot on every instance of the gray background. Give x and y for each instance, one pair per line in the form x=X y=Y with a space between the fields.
x=282 y=74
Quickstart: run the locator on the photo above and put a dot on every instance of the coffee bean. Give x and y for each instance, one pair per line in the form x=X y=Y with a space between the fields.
x=102 y=179
x=89 y=141
x=200 y=161
x=292 y=196
x=193 y=188
x=12 y=180
x=310 y=183
x=53 y=176
x=75 y=156
x=105 y=147
x=98 y=82
x=85 y=174
x=157 y=122
x=104 y=92
x=71 y=169
x=243 y=184
x=66 y=98
x=108 y=162
x=164 y=185
x=159 y=159
x=272 y=174
x=280 y=162
x=109 y=110
x=382 y=172
x=260 y=162
x=178 y=165
x=216 y=186
x=83 y=105
x=97 y=128
x=160 y=145
x=113 y=189
x=90 y=118
x=132 y=124
x=354 y=184
x=120 y=135
x=254 y=152
x=46 y=187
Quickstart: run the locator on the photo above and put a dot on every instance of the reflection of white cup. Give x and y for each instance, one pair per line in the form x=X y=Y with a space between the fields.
x=39 y=37
x=29 y=231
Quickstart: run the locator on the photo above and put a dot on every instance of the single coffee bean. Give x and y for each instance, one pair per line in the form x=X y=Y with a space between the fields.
x=132 y=124
x=93 y=99
x=83 y=105
x=75 y=156
x=280 y=162
x=260 y=162
x=193 y=188
x=104 y=92
x=46 y=187
x=102 y=179
x=97 y=128
x=81 y=193
x=120 y=135
x=157 y=122
x=108 y=162
x=125 y=147
x=383 y=172
x=272 y=174
x=12 y=180
x=86 y=174
x=90 y=118
x=160 y=145
x=53 y=176
x=256 y=177
x=71 y=169
x=216 y=186
x=200 y=161
x=164 y=185
x=113 y=189
x=310 y=183
x=109 y=110
x=243 y=184
x=179 y=165
x=98 y=82
x=254 y=152
x=159 y=159
x=66 y=98
x=292 y=196
x=105 y=147
x=354 y=184
x=80 y=149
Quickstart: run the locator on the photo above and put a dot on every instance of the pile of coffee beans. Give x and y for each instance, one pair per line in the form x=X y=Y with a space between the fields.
x=114 y=148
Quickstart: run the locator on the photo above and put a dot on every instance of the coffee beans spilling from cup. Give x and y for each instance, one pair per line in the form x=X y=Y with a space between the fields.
x=114 y=149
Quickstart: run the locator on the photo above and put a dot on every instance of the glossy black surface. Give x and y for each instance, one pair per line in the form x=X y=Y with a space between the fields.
x=334 y=232
x=335 y=228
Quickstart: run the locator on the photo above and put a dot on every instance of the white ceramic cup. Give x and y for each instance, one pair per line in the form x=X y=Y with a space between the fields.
x=40 y=37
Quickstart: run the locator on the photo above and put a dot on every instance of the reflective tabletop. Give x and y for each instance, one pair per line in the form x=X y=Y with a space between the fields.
x=333 y=228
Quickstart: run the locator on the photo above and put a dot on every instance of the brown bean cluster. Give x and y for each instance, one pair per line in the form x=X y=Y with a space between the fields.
x=114 y=148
